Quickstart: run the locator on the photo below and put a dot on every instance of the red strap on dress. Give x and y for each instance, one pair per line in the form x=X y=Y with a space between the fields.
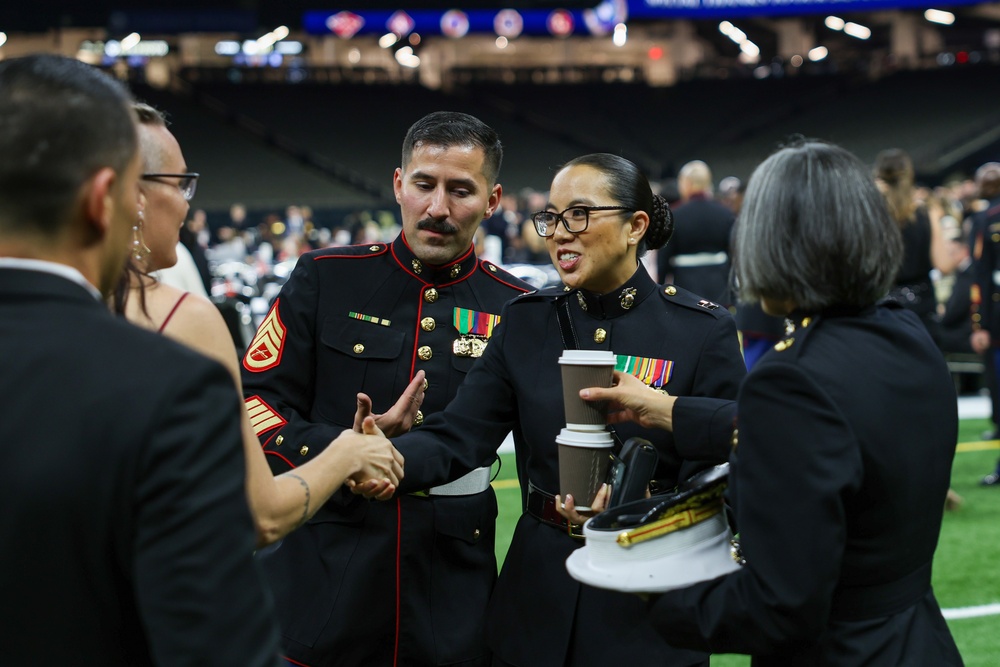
x=171 y=313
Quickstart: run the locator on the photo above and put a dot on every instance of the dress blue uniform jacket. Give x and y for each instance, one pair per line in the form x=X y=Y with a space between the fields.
x=538 y=614
x=846 y=436
x=375 y=583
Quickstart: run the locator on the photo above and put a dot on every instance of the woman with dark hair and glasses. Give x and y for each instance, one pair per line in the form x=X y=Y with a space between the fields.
x=847 y=432
x=278 y=504
x=600 y=218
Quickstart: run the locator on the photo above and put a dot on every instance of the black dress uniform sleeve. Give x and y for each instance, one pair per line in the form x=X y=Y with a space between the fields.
x=468 y=431
x=795 y=434
x=279 y=371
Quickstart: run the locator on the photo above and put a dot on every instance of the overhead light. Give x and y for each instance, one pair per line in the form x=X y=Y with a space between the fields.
x=407 y=58
x=818 y=53
x=227 y=48
x=3 y=38
x=726 y=27
x=796 y=60
x=265 y=42
x=387 y=40
x=834 y=23
x=621 y=35
x=857 y=30
x=939 y=16
x=501 y=42
x=130 y=42
x=749 y=48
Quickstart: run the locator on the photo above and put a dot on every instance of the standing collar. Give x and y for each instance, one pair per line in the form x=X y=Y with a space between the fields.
x=618 y=301
x=432 y=274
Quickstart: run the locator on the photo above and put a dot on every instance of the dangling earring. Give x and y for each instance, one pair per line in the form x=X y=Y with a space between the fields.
x=139 y=248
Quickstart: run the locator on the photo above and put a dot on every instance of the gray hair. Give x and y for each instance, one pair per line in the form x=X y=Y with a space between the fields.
x=150 y=150
x=814 y=229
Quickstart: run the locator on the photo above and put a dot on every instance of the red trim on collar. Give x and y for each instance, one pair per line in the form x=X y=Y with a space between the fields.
x=273 y=453
x=482 y=267
x=383 y=247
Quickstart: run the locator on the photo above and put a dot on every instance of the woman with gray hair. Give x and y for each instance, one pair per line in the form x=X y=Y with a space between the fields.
x=846 y=434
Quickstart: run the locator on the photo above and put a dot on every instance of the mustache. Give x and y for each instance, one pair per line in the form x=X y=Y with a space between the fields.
x=437 y=226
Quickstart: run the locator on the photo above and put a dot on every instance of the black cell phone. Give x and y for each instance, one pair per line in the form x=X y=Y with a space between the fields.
x=631 y=471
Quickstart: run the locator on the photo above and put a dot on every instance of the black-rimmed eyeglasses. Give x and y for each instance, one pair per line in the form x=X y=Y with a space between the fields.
x=575 y=219
x=188 y=183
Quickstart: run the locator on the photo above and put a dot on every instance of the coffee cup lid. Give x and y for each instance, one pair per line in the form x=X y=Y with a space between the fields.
x=588 y=358
x=594 y=439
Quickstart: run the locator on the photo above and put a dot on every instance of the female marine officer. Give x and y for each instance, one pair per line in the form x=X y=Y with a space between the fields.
x=601 y=217
x=847 y=432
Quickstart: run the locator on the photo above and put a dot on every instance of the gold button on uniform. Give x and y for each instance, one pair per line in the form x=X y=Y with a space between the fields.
x=373 y=248
x=304 y=450
x=736 y=437
x=995 y=237
x=476 y=534
x=783 y=345
x=418 y=419
x=280 y=439
x=359 y=348
x=976 y=317
x=670 y=290
x=431 y=295
x=428 y=324
x=425 y=352
x=426 y=384
x=600 y=335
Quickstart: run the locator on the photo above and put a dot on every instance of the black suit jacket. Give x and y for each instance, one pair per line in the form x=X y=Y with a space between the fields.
x=125 y=530
x=846 y=438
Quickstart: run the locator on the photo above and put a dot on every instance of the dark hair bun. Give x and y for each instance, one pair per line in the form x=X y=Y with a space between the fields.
x=661 y=224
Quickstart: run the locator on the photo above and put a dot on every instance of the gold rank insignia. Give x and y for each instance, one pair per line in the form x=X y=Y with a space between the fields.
x=783 y=345
x=263 y=417
x=264 y=351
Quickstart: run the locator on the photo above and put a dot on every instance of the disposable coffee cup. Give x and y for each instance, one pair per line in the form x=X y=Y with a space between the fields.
x=584 y=458
x=582 y=369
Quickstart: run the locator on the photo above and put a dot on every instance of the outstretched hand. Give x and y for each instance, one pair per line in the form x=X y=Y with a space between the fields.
x=399 y=418
x=630 y=400
x=378 y=467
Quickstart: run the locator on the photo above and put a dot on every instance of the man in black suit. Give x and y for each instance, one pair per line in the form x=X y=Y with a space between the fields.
x=127 y=539
x=697 y=257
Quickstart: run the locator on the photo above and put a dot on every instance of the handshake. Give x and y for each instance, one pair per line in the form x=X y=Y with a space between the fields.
x=377 y=465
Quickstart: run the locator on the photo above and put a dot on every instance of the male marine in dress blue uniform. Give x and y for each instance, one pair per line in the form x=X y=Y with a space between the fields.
x=404 y=582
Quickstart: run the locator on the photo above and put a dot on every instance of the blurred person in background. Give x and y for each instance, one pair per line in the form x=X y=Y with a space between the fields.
x=600 y=217
x=406 y=582
x=127 y=539
x=697 y=258
x=924 y=244
x=986 y=257
x=278 y=504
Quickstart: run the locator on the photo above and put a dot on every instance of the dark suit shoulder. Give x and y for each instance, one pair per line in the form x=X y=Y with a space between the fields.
x=678 y=296
x=503 y=277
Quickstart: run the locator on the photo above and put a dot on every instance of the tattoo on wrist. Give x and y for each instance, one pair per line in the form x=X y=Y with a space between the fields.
x=305 y=507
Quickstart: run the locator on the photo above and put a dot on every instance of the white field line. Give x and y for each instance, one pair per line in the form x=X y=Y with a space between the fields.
x=972 y=612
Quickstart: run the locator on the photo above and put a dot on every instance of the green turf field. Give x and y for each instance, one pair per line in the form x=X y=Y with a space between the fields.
x=965 y=569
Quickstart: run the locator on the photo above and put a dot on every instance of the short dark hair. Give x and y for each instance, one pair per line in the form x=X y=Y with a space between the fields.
x=814 y=229
x=629 y=187
x=60 y=122
x=451 y=128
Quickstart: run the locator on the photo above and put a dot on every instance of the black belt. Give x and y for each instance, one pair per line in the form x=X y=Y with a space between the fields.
x=542 y=506
x=859 y=603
